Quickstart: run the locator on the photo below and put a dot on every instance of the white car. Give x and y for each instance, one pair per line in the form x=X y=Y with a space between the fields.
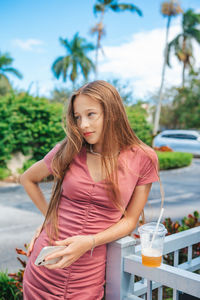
x=179 y=140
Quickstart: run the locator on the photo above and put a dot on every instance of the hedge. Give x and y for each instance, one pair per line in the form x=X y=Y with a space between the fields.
x=29 y=125
x=172 y=160
x=137 y=118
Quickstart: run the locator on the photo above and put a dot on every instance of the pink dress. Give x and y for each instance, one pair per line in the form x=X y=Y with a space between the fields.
x=85 y=209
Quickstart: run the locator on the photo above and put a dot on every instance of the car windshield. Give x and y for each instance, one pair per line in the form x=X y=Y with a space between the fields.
x=182 y=136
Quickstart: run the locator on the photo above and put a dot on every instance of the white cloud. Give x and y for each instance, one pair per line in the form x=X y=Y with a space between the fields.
x=141 y=60
x=32 y=45
x=45 y=89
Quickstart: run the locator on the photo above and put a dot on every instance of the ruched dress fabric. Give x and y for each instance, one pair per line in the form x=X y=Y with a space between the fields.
x=85 y=208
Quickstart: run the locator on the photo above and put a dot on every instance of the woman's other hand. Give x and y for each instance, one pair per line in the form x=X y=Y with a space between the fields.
x=76 y=246
x=37 y=233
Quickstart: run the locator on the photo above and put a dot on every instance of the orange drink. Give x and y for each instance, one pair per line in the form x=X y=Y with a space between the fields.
x=152 y=240
x=151 y=257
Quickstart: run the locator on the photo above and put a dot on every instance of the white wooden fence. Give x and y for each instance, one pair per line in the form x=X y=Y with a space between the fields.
x=124 y=262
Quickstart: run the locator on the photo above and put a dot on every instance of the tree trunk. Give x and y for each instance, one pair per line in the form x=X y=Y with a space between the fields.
x=183 y=75
x=97 y=48
x=97 y=56
x=73 y=85
x=184 y=63
x=160 y=94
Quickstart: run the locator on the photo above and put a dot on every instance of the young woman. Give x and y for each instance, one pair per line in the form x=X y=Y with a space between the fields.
x=103 y=174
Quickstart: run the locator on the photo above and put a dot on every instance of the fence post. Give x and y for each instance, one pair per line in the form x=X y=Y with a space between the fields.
x=118 y=281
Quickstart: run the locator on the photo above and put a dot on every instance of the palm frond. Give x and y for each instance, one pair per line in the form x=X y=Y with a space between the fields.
x=102 y=5
x=57 y=66
x=122 y=7
x=98 y=8
x=88 y=47
x=190 y=19
x=175 y=45
x=5 y=59
x=5 y=62
x=105 y=2
x=66 y=65
x=86 y=65
x=65 y=43
x=13 y=71
x=194 y=33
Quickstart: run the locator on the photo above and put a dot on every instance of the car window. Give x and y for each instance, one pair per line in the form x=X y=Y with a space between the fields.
x=181 y=136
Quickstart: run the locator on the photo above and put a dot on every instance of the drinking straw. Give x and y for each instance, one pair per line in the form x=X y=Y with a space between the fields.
x=161 y=213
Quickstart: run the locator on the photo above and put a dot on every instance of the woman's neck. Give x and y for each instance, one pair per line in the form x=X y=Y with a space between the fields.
x=97 y=150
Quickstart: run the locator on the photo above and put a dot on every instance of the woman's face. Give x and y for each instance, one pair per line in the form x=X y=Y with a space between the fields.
x=89 y=117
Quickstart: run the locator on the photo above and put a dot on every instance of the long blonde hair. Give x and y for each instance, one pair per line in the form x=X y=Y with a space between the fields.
x=117 y=134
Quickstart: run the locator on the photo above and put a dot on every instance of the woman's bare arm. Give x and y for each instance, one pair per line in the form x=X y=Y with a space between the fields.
x=30 y=179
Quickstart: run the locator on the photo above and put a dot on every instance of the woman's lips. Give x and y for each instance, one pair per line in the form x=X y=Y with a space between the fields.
x=87 y=133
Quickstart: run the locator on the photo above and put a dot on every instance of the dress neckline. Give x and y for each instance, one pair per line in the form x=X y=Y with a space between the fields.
x=87 y=169
x=84 y=157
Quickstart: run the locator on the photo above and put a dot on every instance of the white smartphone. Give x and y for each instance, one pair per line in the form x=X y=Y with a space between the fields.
x=44 y=252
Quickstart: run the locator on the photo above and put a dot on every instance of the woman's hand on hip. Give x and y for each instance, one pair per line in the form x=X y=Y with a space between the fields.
x=32 y=242
x=76 y=246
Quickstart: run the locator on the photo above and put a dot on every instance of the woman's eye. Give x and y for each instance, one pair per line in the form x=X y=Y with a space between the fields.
x=91 y=114
x=76 y=118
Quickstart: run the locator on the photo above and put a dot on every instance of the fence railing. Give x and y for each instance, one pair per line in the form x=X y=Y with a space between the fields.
x=124 y=262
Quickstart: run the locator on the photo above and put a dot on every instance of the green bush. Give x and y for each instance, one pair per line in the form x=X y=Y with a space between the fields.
x=8 y=288
x=26 y=165
x=137 y=118
x=28 y=124
x=4 y=173
x=172 y=160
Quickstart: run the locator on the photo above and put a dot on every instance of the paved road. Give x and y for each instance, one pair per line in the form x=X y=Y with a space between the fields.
x=19 y=217
x=182 y=193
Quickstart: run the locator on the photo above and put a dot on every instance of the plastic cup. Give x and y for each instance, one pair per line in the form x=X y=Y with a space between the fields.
x=152 y=249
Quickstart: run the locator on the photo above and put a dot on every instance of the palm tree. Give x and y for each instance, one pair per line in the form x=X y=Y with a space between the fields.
x=169 y=9
x=98 y=29
x=102 y=6
x=76 y=59
x=60 y=95
x=5 y=68
x=182 y=43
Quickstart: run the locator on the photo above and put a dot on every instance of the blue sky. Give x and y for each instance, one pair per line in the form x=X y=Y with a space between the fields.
x=133 y=45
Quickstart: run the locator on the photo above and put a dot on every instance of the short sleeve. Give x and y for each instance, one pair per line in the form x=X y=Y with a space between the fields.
x=49 y=157
x=148 y=168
